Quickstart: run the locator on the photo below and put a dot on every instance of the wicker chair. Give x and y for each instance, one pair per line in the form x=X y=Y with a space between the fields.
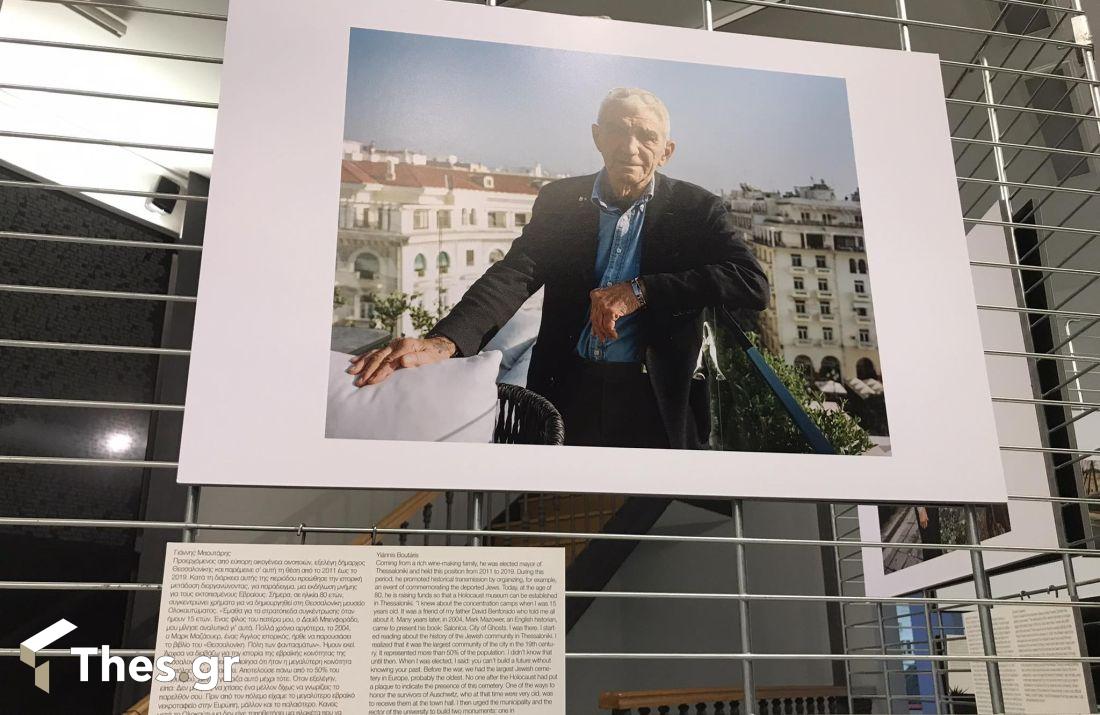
x=526 y=417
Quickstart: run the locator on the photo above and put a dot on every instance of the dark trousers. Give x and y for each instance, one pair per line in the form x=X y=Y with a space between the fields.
x=609 y=405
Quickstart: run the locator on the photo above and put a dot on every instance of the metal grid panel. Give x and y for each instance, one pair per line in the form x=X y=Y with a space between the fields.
x=1018 y=147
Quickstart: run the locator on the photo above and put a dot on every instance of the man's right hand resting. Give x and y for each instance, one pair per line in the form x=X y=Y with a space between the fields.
x=373 y=367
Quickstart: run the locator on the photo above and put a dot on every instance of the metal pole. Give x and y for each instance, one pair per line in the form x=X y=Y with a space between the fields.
x=985 y=614
x=903 y=29
x=476 y=504
x=708 y=16
x=888 y=690
x=191 y=513
x=995 y=136
x=931 y=638
x=840 y=593
x=748 y=684
x=1071 y=592
x=449 y=498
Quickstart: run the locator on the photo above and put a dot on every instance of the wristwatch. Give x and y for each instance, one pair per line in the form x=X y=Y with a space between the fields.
x=636 y=286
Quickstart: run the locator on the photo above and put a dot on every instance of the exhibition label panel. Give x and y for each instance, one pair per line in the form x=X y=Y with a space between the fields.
x=336 y=630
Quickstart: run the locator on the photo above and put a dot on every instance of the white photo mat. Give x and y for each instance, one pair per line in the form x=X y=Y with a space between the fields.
x=255 y=411
x=1032 y=523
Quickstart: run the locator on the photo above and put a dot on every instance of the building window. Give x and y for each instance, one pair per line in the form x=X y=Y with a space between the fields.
x=859 y=219
x=799 y=284
x=828 y=219
x=827 y=333
x=420 y=219
x=864 y=335
x=861 y=312
x=805 y=217
x=521 y=219
x=443 y=262
x=800 y=307
x=465 y=217
x=469 y=258
x=443 y=219
x=813 y=240
x=820 y=262
x=495 y=255
x=367 y=266
x=498 y=219
x=487 y=182
x=796 y=259
x=366 y=308
x=852 y=265
x=420 y=265
x=473 y=217
x=862 y=266
x=860 y=287
x=803 y=332
x=848 y=243
x=823 y=284
x=826 y=308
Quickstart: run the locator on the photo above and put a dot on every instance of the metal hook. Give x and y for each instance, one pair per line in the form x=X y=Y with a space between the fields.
x=301 y=533
x=374 y=535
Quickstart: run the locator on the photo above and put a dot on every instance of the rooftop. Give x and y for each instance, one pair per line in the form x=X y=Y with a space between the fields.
x=436 y=177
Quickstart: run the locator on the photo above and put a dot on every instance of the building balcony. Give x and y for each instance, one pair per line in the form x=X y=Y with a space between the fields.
x=803 y=341
x=824 y=294
x=800 y=293
x=801 y=317
x=829 y=342
x=798 y=269
x=822 y=271
x=861 y=297
x=863 y=319
x=827 y=317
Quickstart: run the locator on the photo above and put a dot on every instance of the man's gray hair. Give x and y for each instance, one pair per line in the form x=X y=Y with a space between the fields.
x=629 y=95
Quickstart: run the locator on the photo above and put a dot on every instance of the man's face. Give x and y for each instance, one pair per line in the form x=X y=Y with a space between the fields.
x=631 y=138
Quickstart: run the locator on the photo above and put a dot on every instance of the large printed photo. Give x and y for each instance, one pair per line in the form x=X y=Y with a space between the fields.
x=555 y=247
x=514 y=250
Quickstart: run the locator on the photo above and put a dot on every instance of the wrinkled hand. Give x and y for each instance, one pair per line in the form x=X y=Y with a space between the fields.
x=608 y=305
x=373 y=367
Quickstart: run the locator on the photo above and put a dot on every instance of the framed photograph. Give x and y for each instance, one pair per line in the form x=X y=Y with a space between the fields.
x=910 y=566
x=515 y=250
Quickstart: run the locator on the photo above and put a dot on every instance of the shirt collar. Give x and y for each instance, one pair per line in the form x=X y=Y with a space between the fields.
x=599 y=199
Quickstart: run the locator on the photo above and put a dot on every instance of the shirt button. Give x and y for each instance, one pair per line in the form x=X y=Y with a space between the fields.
x=608 y=284
x=618 y=250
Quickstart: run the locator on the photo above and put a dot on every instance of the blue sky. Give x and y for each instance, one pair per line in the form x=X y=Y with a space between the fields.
x=512 y=105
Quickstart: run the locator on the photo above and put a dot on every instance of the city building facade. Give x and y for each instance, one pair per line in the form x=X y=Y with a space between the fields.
x=409 y=224
x=820 y=315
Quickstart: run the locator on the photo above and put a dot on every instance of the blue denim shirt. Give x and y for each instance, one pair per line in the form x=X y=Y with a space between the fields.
x=618 y=259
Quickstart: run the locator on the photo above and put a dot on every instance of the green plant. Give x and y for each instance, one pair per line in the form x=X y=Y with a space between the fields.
x=423 y=319
x=389 y=309
x=753 y=420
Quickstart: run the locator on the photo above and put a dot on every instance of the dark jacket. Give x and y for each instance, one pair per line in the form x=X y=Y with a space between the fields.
x=691 y=259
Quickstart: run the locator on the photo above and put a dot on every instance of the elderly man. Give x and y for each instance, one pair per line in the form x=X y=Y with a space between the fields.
x=629 y=259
